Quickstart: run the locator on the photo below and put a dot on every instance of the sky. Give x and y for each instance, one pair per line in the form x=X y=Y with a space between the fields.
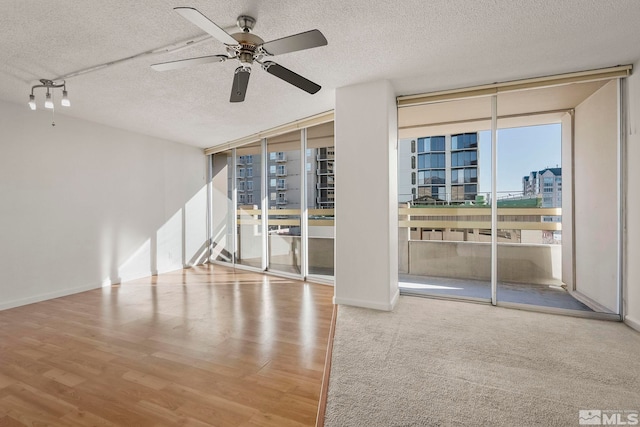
x=520 y=151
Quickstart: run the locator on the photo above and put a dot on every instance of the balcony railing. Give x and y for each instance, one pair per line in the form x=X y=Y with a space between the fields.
x=325 y=200
x=518 y=262
x=442 y=218
x=325 y=185
x=324 y=171
x=471 y=217
x=286 y=217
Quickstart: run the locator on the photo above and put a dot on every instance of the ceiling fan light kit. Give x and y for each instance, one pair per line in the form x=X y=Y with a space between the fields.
x=247 y=48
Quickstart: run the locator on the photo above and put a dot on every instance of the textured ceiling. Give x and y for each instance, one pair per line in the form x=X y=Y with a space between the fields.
x=418 y=45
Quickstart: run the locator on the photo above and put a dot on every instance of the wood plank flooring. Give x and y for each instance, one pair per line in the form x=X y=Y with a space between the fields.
x=198 y=347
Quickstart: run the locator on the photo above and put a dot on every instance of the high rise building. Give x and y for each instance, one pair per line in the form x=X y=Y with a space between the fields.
x=547 y=183
x=249 y=177
x=440 y=168
x=283 y=179
x=324 y=177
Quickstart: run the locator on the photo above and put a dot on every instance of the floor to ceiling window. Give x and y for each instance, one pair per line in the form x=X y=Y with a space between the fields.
x=284 y=172
x=222 y=190
x=513 y=198
x=249 y=203
x=320 y=158
x=280 y=192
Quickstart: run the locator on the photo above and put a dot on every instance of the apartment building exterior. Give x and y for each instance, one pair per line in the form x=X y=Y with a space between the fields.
x=248 y=175
x=324 y=177
x=547 y=184
x=441 y=168
x=283 y=179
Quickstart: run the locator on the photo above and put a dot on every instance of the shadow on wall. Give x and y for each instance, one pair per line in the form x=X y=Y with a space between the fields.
x=178 y=243
x=84 y=205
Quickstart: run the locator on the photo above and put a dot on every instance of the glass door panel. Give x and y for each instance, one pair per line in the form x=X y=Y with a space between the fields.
x=529 y=198
x=320 y=158
x=284 y=166
x=222 y=207
x=249 y=202
x=536 y=203
x=444 y=180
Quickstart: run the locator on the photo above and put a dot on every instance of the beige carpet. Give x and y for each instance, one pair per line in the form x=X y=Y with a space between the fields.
x=440 y=363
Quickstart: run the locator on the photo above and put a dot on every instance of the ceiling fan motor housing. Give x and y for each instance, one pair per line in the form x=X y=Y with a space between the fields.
x=246 y=49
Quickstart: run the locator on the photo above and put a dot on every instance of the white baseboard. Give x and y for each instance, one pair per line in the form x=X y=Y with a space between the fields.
x=394 y=298
x=49 y=295
x=633 y=323
x=368 y=304
x=105 y=283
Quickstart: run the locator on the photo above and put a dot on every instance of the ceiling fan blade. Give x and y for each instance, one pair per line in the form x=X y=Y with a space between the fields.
x=182 y=63
x=206 y=24
x=290 y=77
x=240 y=83
x=306 y=40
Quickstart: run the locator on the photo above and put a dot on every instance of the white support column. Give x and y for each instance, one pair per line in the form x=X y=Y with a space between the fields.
x=366 y=133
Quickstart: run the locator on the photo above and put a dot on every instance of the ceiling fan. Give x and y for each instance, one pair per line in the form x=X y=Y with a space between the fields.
x=248 y=48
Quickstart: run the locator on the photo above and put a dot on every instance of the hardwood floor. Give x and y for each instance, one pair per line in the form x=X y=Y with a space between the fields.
x=204 y=346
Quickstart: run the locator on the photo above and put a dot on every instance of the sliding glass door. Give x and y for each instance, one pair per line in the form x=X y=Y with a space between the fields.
x=320 y=204
x=444 y=200
x=514 y=198
x=249 y=202
x=284 y=166
x=529 y=198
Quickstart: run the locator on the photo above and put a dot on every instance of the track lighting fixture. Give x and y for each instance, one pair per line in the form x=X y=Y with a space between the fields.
x=49 y=85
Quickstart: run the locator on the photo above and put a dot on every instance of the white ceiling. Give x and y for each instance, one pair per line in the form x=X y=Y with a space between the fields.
x=419 y=45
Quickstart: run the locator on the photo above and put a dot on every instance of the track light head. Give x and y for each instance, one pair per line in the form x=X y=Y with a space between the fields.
x=65 y=99
x=48 y=102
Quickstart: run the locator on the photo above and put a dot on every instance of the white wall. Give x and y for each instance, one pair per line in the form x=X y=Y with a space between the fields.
x=595 y=202
x=366 y=272
x=632 y=235
x=84 y=205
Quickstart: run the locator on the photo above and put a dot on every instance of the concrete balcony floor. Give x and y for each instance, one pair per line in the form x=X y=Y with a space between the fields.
x=538 y=295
